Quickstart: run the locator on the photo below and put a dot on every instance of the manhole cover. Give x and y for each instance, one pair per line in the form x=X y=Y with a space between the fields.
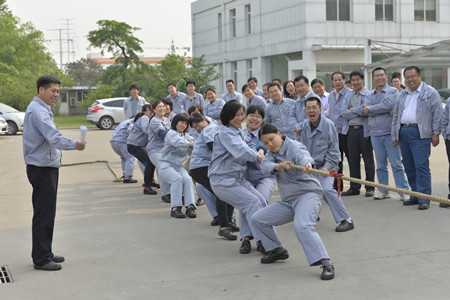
x=5 y=275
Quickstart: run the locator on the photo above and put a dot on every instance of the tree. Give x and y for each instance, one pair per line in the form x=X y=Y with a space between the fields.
x=202 y=74
x=23 y=59
x=116 y=38
x=84 y=71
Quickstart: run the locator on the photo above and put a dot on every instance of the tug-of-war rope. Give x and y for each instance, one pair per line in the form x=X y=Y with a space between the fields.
x=332 y=173
x=339 y=177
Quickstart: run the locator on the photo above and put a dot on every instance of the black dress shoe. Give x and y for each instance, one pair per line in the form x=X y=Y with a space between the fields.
x=260 y=248
x=58 y=259
x=228 y=234
x=215 y=221
x=410 y=202
x=177 y=213
x=443 y=205
x=369 y=193
x=129 y=179
x=149 y=191
x=350 y=192
x=50 y=266
x=199 y=202
x=190 y=211
x=154 y=184
x=246 y=247
x=165 y=198
x=233 y=226
x=345 y=226
x=424 y=205
x=327 y=272
x=276 y=254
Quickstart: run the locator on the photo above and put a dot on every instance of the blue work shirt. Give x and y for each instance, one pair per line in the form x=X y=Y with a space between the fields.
x=42 y=142
x=356 y=112
x=259 y=92
x=230 y=154
x=292 y=183
x=428 y=113
x=380 y=103
x=176 y=148
x=445 y=125
x=139 y=132
x=157 y=131
x=132 y=107
x=198 y=100
x=120 y=134
x=298 y=113
x=278 y=115
x=254 y=174
x=257 y=100
x=235 y=96
x=322 y=143
x=178 y=102
x=201 y=155
x=214 y=109
x=335 y=102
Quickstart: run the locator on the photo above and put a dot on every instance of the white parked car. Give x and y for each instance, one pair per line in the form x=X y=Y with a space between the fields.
x=105 y=113
x=13 y=117
x=3 y=125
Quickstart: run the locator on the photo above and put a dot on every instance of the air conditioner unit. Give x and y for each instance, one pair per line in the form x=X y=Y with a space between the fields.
x=73 y=101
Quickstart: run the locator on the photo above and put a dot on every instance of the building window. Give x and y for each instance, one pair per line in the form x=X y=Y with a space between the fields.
x=234 y=71
x=219 y=27
x=338 y=10
x=384 y=10
x=425 y=10
x=249 y=67
x=233 y=22
x=248 y=20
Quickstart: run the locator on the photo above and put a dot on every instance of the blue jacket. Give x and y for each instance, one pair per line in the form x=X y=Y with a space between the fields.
x=356 y=112
x=335 y=102
x=445 y=125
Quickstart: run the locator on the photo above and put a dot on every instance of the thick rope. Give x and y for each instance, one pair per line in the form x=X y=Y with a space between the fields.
x=377 y=185
x=117 y=179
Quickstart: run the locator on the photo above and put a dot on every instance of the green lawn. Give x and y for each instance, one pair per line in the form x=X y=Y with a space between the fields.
x=71 y=121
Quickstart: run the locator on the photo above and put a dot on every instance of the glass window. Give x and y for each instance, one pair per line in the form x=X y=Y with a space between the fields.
x=219 y=26
x=248 y=23
x=249 y=67
x=338 y=10
x=425 y=10
x=384 y=10
x=234 y=71
x=233 y=22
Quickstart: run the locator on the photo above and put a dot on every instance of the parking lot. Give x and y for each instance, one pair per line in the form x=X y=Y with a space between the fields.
x=121 y=244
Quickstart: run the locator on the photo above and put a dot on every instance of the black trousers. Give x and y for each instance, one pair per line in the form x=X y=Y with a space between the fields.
x=447 y=147
x=344 y=151
x=224 y=210
x=44 y=181
x=359 y=145
x=141 y=154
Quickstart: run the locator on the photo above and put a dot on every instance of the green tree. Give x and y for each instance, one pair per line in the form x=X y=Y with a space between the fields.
x=116 y=38
x=84 y=71
x=102 y=92
x=202 y=73
x=23 y=59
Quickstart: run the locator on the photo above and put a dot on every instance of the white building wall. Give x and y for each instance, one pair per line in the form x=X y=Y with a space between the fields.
x=289 y=26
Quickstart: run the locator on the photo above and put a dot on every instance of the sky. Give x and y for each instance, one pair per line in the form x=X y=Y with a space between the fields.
x=160 y=22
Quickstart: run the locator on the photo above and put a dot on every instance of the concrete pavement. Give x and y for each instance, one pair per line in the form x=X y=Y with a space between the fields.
x=121 y=244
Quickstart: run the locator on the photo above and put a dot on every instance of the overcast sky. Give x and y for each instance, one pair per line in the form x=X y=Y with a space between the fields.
x=160 y=21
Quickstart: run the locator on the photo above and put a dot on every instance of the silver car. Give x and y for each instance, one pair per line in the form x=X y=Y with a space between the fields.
x=105 y=113
x=3 y=125
x=13 y=117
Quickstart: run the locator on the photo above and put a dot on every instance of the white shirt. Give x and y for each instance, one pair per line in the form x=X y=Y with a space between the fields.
x=410 y=110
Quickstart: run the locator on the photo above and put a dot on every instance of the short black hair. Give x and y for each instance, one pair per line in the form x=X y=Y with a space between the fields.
x=229 y=80
x=210 y=90
x=167 y=101
x=181 y=117
x=314 y=99
x=356 y=73
x=245 y=86
x=301 y=77
x=255 y=108
x=229 y=111
x=412 y=68
x=317 y=80
x=196 y=118
x=252 y=78
x=267 y=129
x=377 y=69
x=339 y=73
x=277 y=80
x=274 y=84
x=46 y=80
x=134 y=86
x=396 y=75
x=172 y=84
x=190 y=82
x=192 y=108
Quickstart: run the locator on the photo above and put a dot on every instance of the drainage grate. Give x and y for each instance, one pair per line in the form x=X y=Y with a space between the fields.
x=5 y=275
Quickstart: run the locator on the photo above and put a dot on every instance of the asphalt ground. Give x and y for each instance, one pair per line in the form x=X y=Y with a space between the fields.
x=122 y=244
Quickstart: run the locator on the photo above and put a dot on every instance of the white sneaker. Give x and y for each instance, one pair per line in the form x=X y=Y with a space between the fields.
x=381 y=196
x=404 y=197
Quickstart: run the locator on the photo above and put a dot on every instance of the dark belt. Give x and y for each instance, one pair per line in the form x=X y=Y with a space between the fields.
x=355 y=126
x=409 y=125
